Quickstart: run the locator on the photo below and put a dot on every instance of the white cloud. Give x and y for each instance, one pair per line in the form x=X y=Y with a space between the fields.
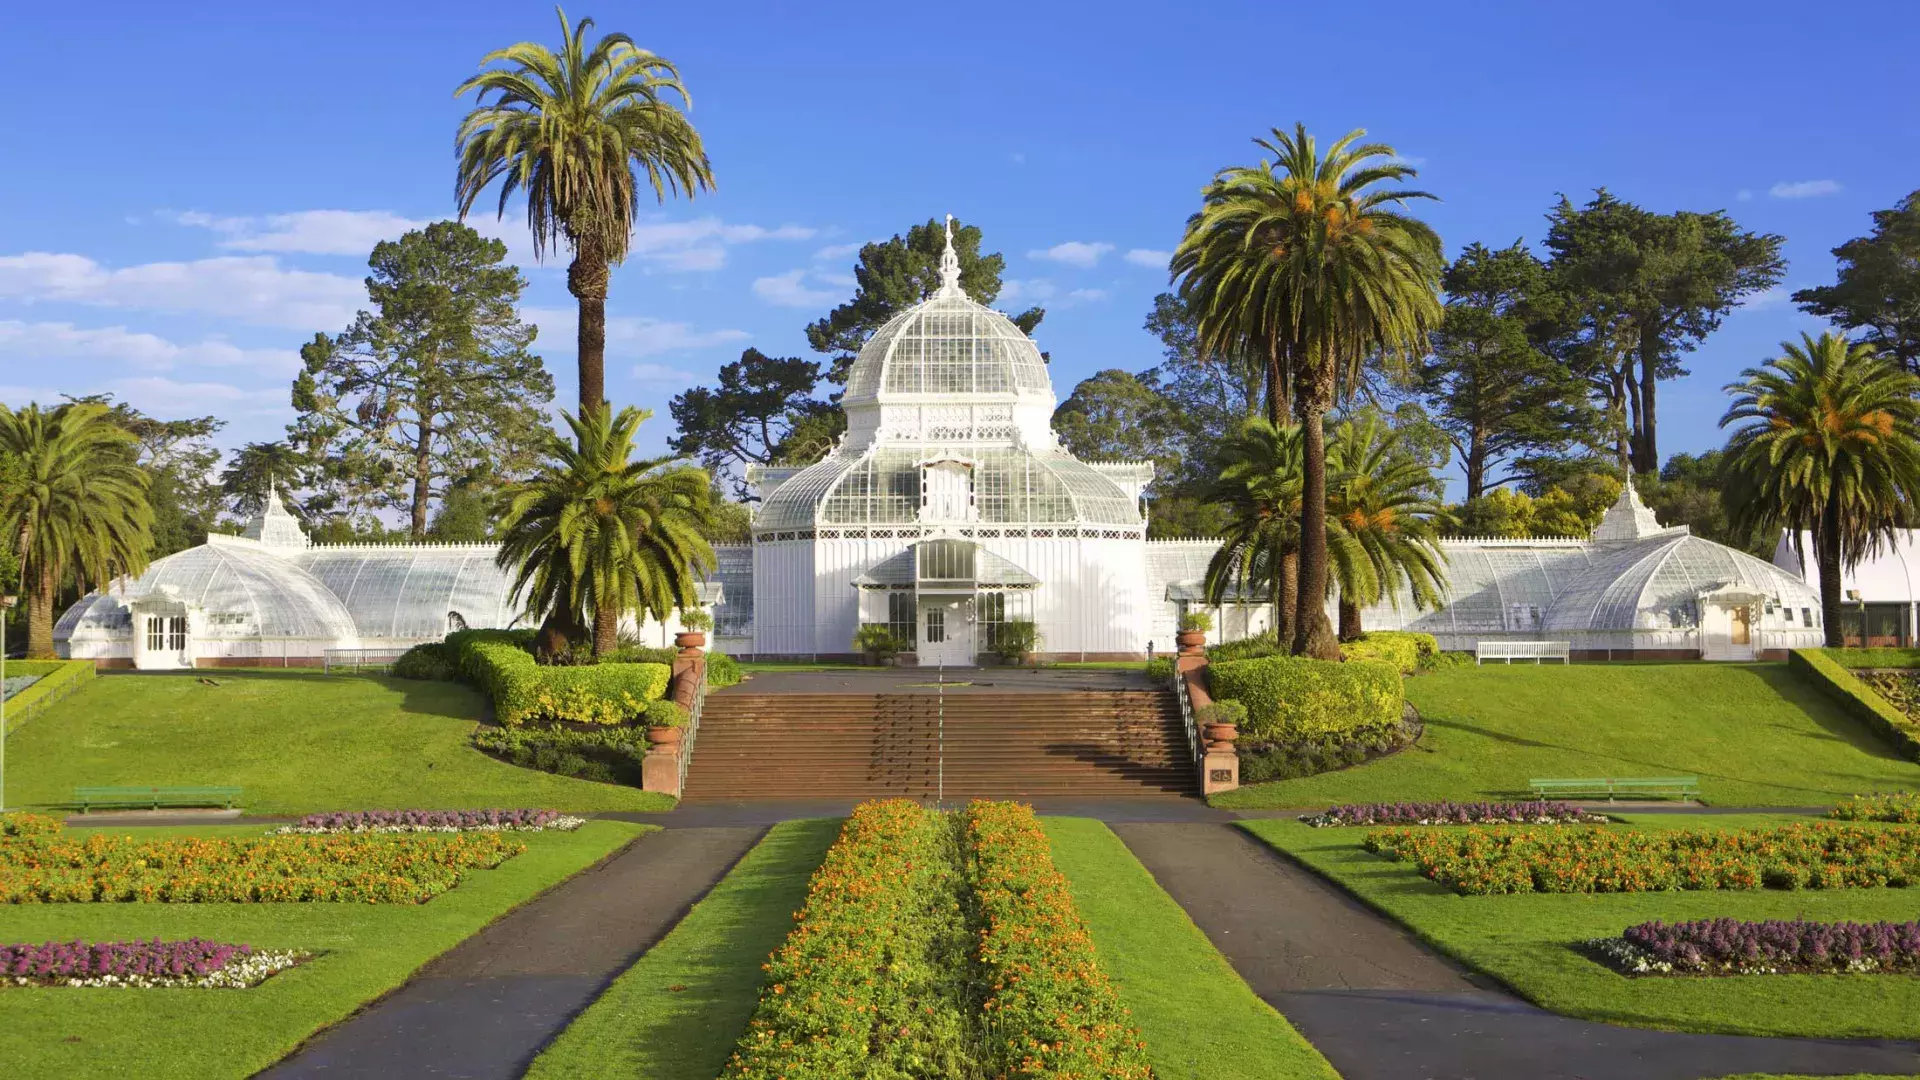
x=1743 y=195
x=630 y=335
x=1149 y=257
x=1027 y=289
x=1087 y=295
x=845 y=281
x=40 y=342
x=1073 y=253
x=1804 y=189
x=834 y=252
x=166 y=397
x=312 y=232
x=661 y=373
x=254 y=289
x=787 y=290
x=1767 y=299
x=701 y=243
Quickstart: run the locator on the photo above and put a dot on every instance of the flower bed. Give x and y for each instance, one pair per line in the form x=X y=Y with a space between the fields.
x=192 y=869
x=1901 y=807
x=1050 y=1011
x=1481 y=861
x=1737 y=947
x=194 y=962
x=436 y=821
x=1455 y=813
x=865 y=983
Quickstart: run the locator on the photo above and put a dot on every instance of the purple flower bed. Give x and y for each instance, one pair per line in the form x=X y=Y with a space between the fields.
x=193 y=962
x=1455 y=813
x=435 y=821
x=1737 y=947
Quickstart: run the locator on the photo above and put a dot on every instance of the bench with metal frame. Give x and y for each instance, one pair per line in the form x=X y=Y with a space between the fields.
x=154 y=798
x=1644 y=787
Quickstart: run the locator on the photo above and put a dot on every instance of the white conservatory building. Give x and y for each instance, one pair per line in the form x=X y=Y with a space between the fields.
x=949 y=508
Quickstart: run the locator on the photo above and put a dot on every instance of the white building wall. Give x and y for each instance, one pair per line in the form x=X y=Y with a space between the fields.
x=783 y=591
x=836 y=603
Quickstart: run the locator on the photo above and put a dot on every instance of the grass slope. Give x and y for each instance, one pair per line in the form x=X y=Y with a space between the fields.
x=1199 y=1019
x=50 y=1033
x=677 y=1012
x=1529 y=942
x=297 y=741
x=1755 y=734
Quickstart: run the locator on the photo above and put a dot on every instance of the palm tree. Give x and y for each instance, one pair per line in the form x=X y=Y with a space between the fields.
x=1827 y=445
x=80 y=506
x=594 y=534
x=1384 y=522
x=1305 y=256
x=1259 y=488
x=571 y=131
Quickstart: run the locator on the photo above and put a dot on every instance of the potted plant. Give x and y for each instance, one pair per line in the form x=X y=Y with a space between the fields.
x=693 y=630
x=878 y=642
x=1016 y=642
x=1220 y=722
x=1193 y=630
x=666 y=725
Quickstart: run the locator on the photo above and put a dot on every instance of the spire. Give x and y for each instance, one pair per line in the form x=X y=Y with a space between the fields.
x=1628 y=518
x=949 y=266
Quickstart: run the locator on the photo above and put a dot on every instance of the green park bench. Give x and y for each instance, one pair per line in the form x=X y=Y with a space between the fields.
x=1639 y=787
x=154 y=797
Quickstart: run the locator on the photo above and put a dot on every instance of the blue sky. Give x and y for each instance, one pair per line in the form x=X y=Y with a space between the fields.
x=191 y=196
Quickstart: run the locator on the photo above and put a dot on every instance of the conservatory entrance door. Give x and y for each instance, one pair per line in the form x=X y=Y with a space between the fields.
x=946 y=632
x=1742 y=626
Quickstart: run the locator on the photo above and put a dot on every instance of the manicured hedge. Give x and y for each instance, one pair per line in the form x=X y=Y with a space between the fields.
x=1408 y=651
x=1875 y=658
x=1294 y=700
x=1843 y=686
x=58 y=678
x=500 y=664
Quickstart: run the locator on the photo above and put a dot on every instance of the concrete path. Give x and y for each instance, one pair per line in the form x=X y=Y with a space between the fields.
x=486 y=1007
x=1381 y=1006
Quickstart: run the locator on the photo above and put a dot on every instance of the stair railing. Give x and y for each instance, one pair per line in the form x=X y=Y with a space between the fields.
x=693 y=727
x=1194 y=743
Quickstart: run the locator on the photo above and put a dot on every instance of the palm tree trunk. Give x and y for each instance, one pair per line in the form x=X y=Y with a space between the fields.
x=1312 y=633
x=1826 y=544
x=1349 y=619
x=1276 y=399
x=587 y=280
x=606 y=630
x=40 y=614
x=1289 y=598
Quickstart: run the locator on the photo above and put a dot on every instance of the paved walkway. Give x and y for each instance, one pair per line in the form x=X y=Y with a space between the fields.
x=1381 y=1006
x=486 y=1007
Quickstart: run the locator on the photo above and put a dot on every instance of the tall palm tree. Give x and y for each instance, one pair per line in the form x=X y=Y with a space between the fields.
x=1307 y=256
x=80 y=506
x=595 y=534
x=1827 y=444
x=1384 y=521
x=1259 y=488
x=576 y=132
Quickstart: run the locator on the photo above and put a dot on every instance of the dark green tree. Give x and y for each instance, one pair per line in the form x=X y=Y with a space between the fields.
x=1115 y=416
x=436 y=384
x=763 y=412
x=1878 y=291
x=465 y=515
x=257 y=468
x=893 y=275
x=179 y=457
x=1490 y=388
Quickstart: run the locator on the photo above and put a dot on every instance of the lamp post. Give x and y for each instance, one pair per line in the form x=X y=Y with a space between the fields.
x=6 y=605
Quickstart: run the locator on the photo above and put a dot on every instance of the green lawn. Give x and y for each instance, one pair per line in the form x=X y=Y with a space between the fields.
x=297 y=741
x=1529 y=942
x=677 y=1012
x=196 y=1034
x=1755 y=734
x=1200 y=1021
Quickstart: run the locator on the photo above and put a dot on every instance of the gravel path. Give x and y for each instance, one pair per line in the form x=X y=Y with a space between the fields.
x=1381 y=1006
x=484 y=1008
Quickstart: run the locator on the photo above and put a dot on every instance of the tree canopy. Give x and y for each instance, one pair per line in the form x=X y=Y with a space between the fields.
x=763 y=412
x=1878 y=291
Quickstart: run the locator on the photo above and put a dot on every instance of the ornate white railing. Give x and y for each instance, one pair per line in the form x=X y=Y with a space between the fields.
x=1194 y=743
x=693 y=729
x=332 y=660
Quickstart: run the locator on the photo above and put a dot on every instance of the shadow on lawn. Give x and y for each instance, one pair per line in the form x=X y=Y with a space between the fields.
x=423 y=697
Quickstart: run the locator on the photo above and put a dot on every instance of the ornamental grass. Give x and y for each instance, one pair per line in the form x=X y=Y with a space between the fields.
x=1050 y=1011
x=1485 y=861
x=349 y=868
x=1773 y=947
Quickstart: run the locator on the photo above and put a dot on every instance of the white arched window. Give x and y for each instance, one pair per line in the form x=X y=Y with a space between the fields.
x=946 y=491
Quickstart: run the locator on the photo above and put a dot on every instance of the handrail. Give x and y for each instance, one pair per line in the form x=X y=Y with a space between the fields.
x=1194 y=742
x=693 y=728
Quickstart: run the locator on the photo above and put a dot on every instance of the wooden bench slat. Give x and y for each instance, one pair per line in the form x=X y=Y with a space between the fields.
x=155 y=797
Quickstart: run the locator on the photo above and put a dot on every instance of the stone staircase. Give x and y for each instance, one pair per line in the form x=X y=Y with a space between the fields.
x=1073 y=744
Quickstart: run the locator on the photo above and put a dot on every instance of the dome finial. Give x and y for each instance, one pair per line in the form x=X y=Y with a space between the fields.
x=949 y=266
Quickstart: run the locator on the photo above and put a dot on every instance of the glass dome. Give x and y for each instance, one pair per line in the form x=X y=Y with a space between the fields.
x=409 y=592
x=244 y=590
x=948 y=345
x=1656 y=583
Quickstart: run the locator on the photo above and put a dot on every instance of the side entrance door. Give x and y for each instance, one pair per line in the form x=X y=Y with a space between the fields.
x=946 y=634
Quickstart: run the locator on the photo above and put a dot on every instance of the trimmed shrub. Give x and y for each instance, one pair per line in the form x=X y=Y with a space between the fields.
x=499 y=663
x=1313 y=702
x=608 y=755
x=696 y=620
x=722 y=671
x=665 y=713
x=1199 y=621
x=1252 y=648
x=428 y=661
x=1405 y=650
x=1875 y=658
x=1856 y=697
x=1221 y=712
x=57 y=679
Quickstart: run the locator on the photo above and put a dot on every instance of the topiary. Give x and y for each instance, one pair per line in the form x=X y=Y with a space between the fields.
x=427 y=661
x=1297 y=700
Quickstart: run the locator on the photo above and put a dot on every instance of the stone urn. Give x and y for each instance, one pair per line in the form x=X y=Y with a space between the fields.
x=1191 y=641
x=687 y=640
x=665 y=740
x=1220 y=736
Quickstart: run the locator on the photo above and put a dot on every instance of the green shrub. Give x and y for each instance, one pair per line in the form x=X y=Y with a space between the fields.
x=1196 y=621
x=1314 y=702
x=877 y=639
x=1252 y=648
x=1405 y=650
x=1012 y=641
x=640 y=654
x=58 y=678
x=609 y=755
x=1160 y=669
x=1856 y=697
x=1874 y=658
x=428 y=661
x=722 y=671
x=664 y=713
x=1221 y=712
x=499 y=663
x=698 y=621
x=1445 y=660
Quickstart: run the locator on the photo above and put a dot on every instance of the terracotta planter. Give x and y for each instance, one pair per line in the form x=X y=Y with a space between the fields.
x=690 y=639
x=665 y=739
x=1221 y=735
x=1191 y=641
